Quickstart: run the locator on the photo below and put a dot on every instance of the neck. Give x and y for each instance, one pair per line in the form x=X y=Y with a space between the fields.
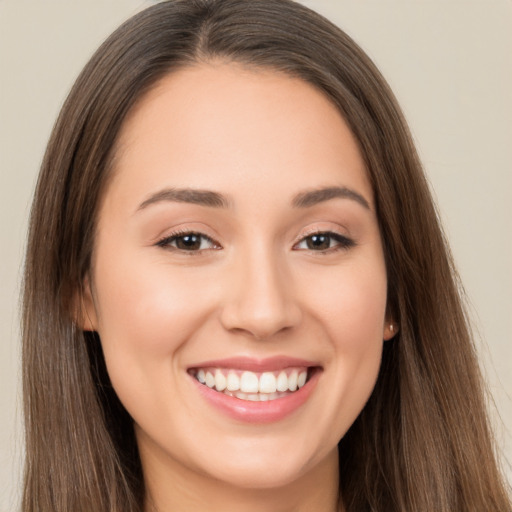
x=168 y=490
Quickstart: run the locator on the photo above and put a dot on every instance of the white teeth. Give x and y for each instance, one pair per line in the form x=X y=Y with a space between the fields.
x=210 y=380
x=282 y=382
x=267 y=383
x=292 y=381
x=233 y=382
x=220 y=381
x=253 y=386
x=249 y=382
x=302 y=379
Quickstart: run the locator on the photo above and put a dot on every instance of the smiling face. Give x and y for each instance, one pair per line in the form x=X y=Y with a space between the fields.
x=238 y=282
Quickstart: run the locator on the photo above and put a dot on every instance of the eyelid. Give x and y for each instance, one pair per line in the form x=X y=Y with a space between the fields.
x=317 y=230
x=164 y=241
x=344 y=241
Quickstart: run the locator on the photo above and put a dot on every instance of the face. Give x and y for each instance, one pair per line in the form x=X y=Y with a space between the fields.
x=238 y=282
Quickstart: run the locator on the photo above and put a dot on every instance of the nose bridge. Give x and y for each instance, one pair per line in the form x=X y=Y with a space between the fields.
x=260 y=300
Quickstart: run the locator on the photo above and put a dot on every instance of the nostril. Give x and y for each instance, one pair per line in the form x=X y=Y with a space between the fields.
x=259 y=298
x=260 y=322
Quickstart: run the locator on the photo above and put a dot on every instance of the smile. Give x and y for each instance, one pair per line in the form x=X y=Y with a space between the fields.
x=252 y=386
x=256 y=391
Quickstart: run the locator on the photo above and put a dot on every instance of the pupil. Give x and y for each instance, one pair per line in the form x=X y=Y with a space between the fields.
x=318 y=242
x=188 y=242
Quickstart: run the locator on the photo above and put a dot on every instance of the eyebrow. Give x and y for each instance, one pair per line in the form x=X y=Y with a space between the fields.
x=311 y=198
x=187 y=195
x=213 y=199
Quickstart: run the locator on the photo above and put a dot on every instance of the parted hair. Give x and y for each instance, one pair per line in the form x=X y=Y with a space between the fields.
x=422 y=442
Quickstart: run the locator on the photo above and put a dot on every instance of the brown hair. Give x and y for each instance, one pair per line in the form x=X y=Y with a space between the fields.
x=421 y=443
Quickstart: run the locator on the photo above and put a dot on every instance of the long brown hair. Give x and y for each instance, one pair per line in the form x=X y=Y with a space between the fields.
x=422 y=442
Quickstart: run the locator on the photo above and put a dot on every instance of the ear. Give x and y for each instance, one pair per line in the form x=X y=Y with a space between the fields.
x=390 y=329
x=84 y=309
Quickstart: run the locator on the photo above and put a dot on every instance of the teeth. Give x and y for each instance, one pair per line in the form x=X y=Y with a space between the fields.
x=220 y=381
x=267 y=383
x=210 y=380
x=249 y=382
x=233 y=381
x=292 y=380
x=282 y=382
x=302 y=379
x=253 y=386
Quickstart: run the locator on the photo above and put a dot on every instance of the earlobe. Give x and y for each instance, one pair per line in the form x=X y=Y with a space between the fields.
x=84 y=309
x=390 y=330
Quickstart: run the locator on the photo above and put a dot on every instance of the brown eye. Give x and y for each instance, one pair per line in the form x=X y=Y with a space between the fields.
x=319 y=242
x=188 y=242
x=323 y=242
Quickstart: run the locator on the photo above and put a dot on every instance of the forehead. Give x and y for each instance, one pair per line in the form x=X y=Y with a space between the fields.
x=226 y=126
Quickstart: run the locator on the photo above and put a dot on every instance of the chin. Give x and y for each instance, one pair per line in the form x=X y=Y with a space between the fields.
x=247 y=473
x=266 y=466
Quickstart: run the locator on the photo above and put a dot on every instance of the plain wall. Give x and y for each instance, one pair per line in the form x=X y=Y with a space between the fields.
x=449 y=63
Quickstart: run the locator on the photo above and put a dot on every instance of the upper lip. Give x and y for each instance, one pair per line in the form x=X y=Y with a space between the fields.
x=269 y=364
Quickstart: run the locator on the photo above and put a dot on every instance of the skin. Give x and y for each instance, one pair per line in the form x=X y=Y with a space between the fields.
x=259 y=138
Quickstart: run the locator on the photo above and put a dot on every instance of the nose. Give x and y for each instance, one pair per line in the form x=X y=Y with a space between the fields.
x=259 y=298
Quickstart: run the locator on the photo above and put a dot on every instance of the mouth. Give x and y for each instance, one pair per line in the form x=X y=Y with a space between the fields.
x=256 y=391
x=254 y=386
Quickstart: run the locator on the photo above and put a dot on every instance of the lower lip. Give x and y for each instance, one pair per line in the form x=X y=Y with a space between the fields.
x=258 y=412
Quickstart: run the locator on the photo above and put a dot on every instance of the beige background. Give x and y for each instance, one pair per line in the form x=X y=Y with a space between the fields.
x=449 y=63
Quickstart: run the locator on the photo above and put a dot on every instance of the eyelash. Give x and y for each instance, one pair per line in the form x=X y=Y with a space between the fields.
x=166 y=242
x=343 y=242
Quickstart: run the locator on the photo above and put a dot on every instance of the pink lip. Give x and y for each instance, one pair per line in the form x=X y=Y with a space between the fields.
x=270 y=364
x=257 y=412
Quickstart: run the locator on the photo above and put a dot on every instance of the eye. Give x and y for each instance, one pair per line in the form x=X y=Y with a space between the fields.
x=324 y=241
x=188 y=242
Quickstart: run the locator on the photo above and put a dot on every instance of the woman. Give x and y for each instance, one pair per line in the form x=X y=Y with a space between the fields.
x=237 y=294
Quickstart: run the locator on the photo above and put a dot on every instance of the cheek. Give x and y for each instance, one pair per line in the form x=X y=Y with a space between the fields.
x=146 y=305
x=357 y=329
x=351 y=304
x=147 y=312
x=352 y=311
